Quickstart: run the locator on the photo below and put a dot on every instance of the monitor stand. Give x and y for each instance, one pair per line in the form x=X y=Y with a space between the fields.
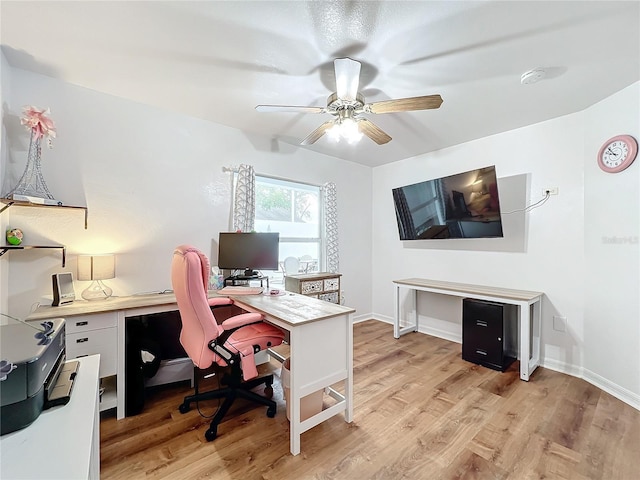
x=245 y=278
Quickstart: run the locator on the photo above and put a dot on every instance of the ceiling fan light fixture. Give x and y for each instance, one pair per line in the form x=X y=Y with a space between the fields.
x=348 y=108
x=350 y=131
x=334 y=133
x=345 y=128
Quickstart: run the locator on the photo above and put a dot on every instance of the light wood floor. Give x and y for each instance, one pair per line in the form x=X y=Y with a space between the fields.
x=421 y=412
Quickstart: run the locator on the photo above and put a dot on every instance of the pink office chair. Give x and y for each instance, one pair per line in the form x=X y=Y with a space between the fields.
x=231 y=344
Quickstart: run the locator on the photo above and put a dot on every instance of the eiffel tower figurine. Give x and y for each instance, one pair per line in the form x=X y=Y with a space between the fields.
x=31 y=187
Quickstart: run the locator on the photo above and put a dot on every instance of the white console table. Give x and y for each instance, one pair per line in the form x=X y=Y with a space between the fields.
x=63 y=442
x=530 y=323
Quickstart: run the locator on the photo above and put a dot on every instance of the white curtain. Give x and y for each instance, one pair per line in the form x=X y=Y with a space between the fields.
x=330 y=206
x=244 y=201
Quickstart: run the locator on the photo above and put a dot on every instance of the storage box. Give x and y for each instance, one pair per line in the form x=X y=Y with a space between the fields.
x=309 y=405
x=170 y=371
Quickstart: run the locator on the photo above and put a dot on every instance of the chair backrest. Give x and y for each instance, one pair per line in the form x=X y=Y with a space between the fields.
x=291 y=265
x=190 y=279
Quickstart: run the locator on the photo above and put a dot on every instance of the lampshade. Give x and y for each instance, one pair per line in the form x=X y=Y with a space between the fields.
x=96 y=267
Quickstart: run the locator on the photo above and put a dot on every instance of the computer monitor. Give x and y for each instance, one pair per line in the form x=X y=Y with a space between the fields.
x=248 y=252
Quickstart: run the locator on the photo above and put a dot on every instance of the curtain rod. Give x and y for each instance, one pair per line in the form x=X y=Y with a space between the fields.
x=236 y=170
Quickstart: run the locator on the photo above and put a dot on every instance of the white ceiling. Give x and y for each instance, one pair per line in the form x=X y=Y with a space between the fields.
x=218 y=60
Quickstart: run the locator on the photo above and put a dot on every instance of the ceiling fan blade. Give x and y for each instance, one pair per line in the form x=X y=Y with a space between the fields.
x=314 y=136
x=289 y=108
x=374 y=132
x=405 y=104
x=347 y=78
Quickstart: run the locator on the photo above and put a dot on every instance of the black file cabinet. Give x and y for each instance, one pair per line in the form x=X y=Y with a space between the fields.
x=489 y=333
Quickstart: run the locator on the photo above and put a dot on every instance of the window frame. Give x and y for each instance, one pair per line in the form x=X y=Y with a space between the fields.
x=320 y=241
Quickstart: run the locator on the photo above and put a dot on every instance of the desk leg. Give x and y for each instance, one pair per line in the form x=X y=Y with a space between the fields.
x=295 y=429
x=525 y=338
x=396 y=316
x=348 y=389
x=120 y=364
x=536 y=327
x=413 y=298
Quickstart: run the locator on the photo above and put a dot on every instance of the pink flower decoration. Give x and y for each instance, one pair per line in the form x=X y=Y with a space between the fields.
x=39 y=124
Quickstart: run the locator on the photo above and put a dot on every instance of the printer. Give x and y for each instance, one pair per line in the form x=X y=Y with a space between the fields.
x=32 y=355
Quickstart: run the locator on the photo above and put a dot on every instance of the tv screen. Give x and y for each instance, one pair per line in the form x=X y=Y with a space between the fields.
x=465 y=205
x=248 y=251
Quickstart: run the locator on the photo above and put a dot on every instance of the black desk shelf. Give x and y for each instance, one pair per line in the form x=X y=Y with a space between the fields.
x=242 y=280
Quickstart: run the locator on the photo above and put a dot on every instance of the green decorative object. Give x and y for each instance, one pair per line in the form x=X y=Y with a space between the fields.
x=14 y=236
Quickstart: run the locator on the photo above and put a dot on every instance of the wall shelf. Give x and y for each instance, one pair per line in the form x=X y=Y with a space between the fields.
x=5 y=248
x=8 y=202
x=19 y=203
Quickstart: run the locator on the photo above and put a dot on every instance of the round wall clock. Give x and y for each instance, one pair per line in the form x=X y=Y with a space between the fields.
x=617 y=153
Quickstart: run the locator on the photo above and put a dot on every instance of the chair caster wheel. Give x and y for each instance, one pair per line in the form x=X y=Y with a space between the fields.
x=210 y=435
x=271 y=412
x=184 y=408
x=268 y=391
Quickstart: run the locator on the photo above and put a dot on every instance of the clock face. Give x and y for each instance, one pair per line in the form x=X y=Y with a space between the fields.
x=617 y=153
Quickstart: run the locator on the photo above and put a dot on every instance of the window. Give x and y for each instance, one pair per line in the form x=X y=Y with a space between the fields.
x=293 y=210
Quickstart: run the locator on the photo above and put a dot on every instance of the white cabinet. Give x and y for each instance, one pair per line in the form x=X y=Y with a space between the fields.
x=96 y=333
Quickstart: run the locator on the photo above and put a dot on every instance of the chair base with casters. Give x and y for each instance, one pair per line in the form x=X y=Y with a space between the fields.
x=234 y=388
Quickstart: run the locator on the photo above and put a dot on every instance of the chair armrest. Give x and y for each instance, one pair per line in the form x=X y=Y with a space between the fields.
x=241 y=320
x=220 y=301
x=230 y=326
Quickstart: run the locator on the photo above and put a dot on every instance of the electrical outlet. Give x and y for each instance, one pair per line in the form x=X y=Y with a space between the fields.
x=551 y=190
x=559 y=323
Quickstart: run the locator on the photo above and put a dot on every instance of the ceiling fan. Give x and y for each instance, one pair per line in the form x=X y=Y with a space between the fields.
x=348 y=107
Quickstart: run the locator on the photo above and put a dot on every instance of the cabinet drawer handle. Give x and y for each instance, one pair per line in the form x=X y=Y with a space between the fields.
x=81 y=324
x=82 y=340
x=481 y=352
x=481 y=323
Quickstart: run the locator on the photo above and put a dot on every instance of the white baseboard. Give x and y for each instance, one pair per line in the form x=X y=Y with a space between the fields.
x=602 y=383
x=608 y=386
x=381 y=318
x=363 y=318
x=561 y=367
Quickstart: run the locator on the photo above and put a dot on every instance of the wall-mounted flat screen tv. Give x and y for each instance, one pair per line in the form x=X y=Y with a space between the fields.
x=465 y=205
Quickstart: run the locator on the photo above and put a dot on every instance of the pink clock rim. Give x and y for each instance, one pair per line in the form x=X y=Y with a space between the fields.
x=633 y=150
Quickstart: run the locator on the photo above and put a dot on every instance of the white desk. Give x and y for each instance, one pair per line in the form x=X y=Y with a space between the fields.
x=100 y=325
x=321 y=349
x=321 y=337
x=530 y=325
x=63 y=442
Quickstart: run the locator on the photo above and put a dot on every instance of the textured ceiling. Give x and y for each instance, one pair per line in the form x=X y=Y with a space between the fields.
x=218 y=60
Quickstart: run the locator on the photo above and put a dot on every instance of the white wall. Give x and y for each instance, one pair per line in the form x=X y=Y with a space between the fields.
x=612 y=246
x=557 y=153
x=152 y=180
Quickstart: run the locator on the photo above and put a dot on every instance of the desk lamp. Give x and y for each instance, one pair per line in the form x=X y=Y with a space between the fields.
x=96 y=268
